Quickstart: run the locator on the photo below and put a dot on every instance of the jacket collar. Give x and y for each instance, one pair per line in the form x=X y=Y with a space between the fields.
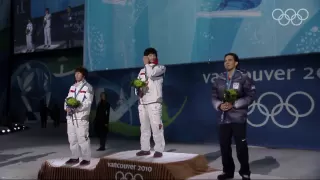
x=236 y=75
x=80 y=82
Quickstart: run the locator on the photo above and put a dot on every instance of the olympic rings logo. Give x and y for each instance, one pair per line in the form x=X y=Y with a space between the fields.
x=128 y=176
x=290 y=16
x=291 y=109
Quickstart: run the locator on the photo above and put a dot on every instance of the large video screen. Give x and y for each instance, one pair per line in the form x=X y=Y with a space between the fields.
x=197 y=30
x=41 y=25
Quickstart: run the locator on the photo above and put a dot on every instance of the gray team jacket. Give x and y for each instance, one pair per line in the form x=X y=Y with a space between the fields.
x=246 y=92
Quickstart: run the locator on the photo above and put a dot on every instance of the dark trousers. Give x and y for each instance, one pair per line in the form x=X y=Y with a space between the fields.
x=56 y=122
x=103 y=139
x=102 y=133
x=43 y=122
x=238 y=132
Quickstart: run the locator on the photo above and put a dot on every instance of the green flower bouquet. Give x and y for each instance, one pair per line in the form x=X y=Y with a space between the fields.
x=140 y=86
x=73 y=104
x=230 y=96
x=137 y=83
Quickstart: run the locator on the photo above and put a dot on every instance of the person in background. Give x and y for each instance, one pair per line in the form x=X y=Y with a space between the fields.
x=150 y=104
x=43 y=113
x=69 y=22
x=29 y=31
x=102 y=120
x=47 y=29
x=78 y=121
x=232 y=118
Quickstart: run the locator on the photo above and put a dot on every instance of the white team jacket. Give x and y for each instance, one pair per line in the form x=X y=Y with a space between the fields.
x=154 y=75
x=30 y=28
x=47 y=18
x=84 y=93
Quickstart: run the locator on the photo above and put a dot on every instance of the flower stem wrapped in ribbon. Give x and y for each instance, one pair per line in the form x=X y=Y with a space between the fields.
x=230 y=96
x=73 y=104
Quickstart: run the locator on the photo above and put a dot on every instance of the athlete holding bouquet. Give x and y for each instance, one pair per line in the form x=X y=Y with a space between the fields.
x=149 y=89
x=232 y=93
x=78 y=105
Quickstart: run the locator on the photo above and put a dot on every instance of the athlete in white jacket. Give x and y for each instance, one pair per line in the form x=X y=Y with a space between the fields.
x=47 y=29
x=78 y=122
x=150 y=104
x=29 y=32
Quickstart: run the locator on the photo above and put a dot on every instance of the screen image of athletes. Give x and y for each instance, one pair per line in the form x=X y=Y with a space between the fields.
x=45 y=25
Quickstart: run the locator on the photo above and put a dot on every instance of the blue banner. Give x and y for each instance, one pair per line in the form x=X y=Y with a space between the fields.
x=33 y=80
x=284 y=114
x=117 y=31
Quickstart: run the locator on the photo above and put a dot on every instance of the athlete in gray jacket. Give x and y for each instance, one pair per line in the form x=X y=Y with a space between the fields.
x=232 y=118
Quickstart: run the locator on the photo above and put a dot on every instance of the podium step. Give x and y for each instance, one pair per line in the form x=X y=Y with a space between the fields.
x=126 y=165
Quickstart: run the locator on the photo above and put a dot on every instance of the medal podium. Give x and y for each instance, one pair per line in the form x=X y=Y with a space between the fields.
x=126 y=165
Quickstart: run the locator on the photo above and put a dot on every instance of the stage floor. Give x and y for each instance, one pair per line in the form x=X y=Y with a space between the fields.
x=213 y=175
x=21 y=155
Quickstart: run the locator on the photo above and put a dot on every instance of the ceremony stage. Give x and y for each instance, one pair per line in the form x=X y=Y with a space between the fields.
x=126 y=165
x=24 y=153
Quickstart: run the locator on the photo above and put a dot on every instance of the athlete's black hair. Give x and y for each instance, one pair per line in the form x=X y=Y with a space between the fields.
x=82 y=70
x=150 y=51
x=235 y=57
